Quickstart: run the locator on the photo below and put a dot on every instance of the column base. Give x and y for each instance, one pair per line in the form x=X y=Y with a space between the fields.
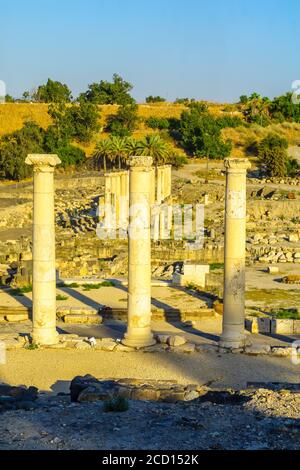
x=232 y=339
x=45 y=336
x=138 y=341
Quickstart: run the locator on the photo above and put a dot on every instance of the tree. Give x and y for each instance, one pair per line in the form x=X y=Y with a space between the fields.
x=52 y=92
x=15 y=147
x=9 y=99
x=102 y=153
x=155 y=99
x=78 y=122
x=200 y=133
x=272 y=152
x=257 y=109
x=105 y=92
x=154 y=147
x=283 y=109
x=26 y=95
x=125 y=121
x=119 y=149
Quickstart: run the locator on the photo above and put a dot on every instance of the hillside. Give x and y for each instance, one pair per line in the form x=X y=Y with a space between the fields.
x=13 y=115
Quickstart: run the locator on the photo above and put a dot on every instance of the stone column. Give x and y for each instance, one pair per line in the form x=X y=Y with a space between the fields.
x=139 y=255
x=44 y=274
x=108 y=202
x=234 y=254
x=158 y=185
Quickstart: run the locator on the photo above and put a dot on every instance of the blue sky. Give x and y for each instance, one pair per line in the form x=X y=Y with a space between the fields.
x=207 y=49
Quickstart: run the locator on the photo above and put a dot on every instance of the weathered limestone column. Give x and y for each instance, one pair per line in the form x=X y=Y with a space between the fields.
x=44 y=274
x=234 y=253
x=158 y=185
x=139 y=255
x=108 y=201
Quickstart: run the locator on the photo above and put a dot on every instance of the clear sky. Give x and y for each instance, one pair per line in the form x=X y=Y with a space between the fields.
x=206 y=49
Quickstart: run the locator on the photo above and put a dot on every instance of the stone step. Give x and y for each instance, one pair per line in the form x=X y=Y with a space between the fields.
x=171 y=314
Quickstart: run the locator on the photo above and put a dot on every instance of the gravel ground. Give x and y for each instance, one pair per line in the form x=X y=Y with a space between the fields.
x=261 y=419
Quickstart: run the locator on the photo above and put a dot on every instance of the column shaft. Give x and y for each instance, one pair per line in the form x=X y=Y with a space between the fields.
x=44 y=273
x=139 y=254
x=234 y=254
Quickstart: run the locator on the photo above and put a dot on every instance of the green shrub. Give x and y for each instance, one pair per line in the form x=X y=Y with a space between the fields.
x=272 y=152
x=21 y=290
x=200 y=133
x=125 y=122
x=155 y=99
x=177 y=160
x=214 y=266
x=70 y=155
x=61 y=297
x=118 y=404
x=157 y=123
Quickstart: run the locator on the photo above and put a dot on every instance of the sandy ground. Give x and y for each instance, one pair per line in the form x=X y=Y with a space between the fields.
x=164 y=297
x=51 y=370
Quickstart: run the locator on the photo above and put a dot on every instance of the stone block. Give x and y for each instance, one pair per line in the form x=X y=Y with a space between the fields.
x=107 y=346
x=258 y=325
x=176 y=341
x=273 y=269
x=282 y=351
x=192 y=273
x=256 y=349
x=297 y=327
x=83 y=319
x=282 y=326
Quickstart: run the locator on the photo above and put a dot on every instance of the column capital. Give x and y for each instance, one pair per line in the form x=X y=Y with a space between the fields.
x=236 y=165
x=142 y=162
x=42 y=162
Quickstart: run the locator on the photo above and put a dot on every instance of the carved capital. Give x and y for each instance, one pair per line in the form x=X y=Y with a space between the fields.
x=42 y=162
x=236 y=165
x=140 y=162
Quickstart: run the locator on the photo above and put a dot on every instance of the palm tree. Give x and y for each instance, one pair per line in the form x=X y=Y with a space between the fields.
x=118 y=148
x=155 y=147
x=132 y=146
x=103 y=151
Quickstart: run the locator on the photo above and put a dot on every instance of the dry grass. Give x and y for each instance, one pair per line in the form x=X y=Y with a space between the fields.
x=13 y=116
x=241 y=136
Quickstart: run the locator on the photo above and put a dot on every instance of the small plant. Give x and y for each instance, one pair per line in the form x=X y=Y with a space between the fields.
x=289 y=314
x=117 y=404
x=107 y=284
x=72 y=285
x=61 y=297
x=21 y=290
x=214 y=266
x=88 y=286
x=32 y=346
x=91 y=286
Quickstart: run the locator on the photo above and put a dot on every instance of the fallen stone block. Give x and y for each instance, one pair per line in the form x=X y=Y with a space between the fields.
x=107 y=346
x=207 y=348
x=187 y=348
x=176 y=341
x=256 y=349
x=282 y=351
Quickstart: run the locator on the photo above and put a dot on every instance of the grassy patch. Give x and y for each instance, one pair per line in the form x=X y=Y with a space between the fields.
x=87 y=287
x=72 y=285
x=61 y=297
x=21 y=290
x=214 y=266
x=116 y=404
x=286 y=314
x=31 y=346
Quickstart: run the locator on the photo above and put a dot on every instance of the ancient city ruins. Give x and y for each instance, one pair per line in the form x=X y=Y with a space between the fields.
x=140 y=188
